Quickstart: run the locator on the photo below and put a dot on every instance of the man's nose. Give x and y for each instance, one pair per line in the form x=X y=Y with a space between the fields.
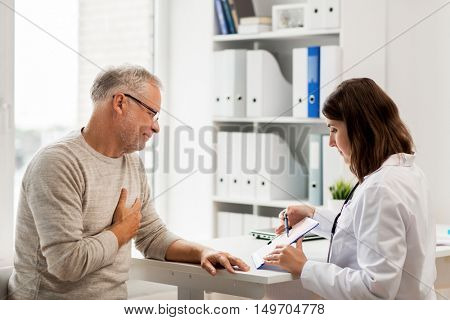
x=155 y=126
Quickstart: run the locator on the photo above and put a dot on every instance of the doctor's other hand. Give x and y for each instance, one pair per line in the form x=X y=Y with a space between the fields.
x=295 y=214
x=211 y=258
x=288 y=258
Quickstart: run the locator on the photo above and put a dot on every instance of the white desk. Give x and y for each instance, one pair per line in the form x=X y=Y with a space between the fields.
x=192 y=280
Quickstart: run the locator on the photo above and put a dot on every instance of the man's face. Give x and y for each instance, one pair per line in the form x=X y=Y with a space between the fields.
x=137 y=123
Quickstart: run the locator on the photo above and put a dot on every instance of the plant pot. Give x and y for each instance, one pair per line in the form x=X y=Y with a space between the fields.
x=335 y=205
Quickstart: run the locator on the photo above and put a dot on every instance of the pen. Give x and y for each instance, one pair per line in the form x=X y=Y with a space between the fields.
x=286 y=222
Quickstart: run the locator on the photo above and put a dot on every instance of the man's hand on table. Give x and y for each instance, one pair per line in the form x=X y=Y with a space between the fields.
x=211 y=258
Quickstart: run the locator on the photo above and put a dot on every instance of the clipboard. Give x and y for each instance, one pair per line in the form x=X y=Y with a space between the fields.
x=297 y=231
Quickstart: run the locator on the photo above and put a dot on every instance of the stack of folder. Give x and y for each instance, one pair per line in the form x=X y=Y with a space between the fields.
x=231 y=224
x=249 y=83
x=323 y=14
x=316 y=73
x=257 y=166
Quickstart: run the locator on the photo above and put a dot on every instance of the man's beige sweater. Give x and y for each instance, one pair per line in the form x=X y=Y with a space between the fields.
x=68 y=197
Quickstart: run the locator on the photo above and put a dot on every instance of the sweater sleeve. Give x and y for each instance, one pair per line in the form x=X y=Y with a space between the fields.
x=54 y=189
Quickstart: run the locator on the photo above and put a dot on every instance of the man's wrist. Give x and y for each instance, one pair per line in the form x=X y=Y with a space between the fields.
x=115 y=228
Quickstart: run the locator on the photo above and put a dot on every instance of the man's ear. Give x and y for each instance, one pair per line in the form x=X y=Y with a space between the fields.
x=118 y=103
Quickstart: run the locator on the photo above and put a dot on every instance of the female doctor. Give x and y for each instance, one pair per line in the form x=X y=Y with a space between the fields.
x=383 y=241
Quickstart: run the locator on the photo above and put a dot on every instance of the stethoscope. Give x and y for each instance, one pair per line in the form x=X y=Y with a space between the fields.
x=333 y=229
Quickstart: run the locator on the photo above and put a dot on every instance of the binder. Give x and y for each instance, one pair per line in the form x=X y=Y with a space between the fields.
x=313 y=82
x=333 y=168
x=332 y=13
x=230 y=82
x=222 y=24
x=249 y=169
x=222 y=173
x=236 y=177
x=315 y=14
x=280 y=175
x=330 y=71
x=299 y=82
x=253 y=222
x=219 y=105
x=268 y=92
x=229 y=224
x=223 y=224
x=315 y=169
x=236 y=224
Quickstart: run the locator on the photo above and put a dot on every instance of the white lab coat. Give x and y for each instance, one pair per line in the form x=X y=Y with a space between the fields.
x=384 y=245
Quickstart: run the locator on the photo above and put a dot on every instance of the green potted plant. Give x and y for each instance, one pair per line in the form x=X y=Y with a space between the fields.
x=339 y=192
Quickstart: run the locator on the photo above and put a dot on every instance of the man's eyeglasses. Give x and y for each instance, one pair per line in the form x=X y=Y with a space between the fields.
x=154 y=113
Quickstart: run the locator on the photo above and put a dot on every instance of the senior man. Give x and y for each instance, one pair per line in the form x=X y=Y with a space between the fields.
x=86 y=196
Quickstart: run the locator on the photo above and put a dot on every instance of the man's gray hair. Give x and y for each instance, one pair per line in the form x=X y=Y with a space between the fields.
x=125 y=78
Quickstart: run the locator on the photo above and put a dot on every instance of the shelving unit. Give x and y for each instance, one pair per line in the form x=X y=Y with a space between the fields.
x=277 y=35
x=261 y=203
x=280 y=43
x=358 y=39
x=270 y=120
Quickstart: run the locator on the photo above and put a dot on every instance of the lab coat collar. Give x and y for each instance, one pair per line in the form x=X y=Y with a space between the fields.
x=398 y=159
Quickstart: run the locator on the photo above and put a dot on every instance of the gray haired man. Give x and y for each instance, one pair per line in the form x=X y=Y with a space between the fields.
x=86 y=196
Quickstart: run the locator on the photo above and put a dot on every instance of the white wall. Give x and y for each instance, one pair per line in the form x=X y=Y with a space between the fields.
x=418 y=79
x=111 y=33
x=189 y=94
x=363 y=34
x=6 y=131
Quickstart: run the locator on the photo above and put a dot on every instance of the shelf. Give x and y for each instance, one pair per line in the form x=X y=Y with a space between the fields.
x=271 y=120
x=265 y=203
x=288 y=34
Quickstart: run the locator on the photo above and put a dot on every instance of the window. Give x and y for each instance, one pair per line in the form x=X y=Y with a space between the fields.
x=60 y=48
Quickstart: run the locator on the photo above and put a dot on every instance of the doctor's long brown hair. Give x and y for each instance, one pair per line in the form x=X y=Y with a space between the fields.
x=374 y=127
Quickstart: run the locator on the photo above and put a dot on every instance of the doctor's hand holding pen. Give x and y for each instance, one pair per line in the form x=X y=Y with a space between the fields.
x=294 y=215
x=285 y=256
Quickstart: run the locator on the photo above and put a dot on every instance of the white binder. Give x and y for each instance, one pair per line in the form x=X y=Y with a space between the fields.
x=236 y=177
x=333 y=168
x=219 y=107
x=253 y=222
x=236 y=224
x=230 y=82
x=332 y=14
x=330 y=71
x=249 y=169
x=315 y=14
x=229 y=224
x=315 y=169
x=268 y=92
x=300 y=82
x=223 y=170
x=223 y=224
x=280 y=175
